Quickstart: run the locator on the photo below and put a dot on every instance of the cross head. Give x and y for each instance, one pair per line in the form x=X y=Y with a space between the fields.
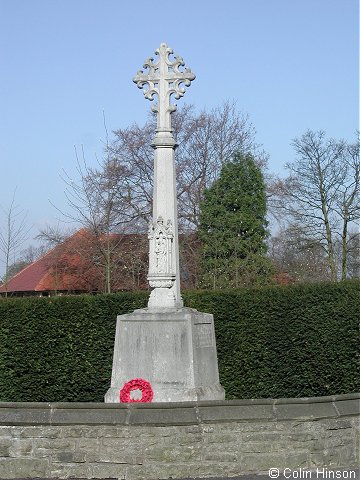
x=164 y=78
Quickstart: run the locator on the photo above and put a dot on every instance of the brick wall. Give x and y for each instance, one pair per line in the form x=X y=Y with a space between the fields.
x=151 y=441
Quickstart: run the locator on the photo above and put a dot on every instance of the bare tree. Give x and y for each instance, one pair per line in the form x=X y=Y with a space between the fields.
x=116 y=196
x=52 y=235
x=347 y=205
x=14 y=234
x=31 y=253
x=101 y=200
x=301 y=257
x=353 y=254
x=205 y=141
x=321 y=195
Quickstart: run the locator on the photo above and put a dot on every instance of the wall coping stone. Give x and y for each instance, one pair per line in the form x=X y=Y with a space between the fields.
x=178 y=413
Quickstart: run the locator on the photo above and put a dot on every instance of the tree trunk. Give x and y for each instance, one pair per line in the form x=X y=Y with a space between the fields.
x=329 y=240
x=344 y=245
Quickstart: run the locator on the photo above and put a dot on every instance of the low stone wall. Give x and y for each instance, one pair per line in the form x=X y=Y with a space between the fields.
x=158 y=441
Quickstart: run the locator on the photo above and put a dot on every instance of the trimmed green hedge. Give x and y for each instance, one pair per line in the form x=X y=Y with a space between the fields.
x=59 y=348
x=272 y=342
x=294 y=341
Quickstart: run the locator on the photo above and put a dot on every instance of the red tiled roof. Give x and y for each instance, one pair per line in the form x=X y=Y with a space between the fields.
x=38 y=276
x=64 y=268
x=27 y=279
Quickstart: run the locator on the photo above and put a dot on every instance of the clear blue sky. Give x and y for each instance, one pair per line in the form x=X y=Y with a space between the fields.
x=290 y=64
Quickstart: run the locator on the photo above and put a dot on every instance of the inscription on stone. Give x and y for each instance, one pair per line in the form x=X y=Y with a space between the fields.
x=204 y=335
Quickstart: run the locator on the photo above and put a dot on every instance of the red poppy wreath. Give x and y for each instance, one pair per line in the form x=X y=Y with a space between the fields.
x=136 y=384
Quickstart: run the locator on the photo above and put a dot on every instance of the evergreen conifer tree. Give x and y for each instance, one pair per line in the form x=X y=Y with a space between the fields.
x=233 y=227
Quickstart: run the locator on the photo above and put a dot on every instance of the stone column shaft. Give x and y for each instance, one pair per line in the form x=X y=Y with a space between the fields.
x=164 y=79
x=165 y=203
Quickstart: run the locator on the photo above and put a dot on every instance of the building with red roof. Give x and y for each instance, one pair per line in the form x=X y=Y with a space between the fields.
x=29 y=280
x=79 y=265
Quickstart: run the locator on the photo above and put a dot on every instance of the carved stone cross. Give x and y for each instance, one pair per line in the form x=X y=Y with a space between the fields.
x=163 y=79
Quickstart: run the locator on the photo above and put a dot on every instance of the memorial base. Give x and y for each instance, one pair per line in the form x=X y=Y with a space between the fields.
x=174 y=350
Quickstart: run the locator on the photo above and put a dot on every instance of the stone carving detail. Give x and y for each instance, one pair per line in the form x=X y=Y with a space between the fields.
x=163 y=79
x=204 y=336
x=161 y=272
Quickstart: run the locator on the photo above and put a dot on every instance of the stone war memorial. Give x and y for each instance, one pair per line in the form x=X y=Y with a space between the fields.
x=167 y=347
x=180 y=427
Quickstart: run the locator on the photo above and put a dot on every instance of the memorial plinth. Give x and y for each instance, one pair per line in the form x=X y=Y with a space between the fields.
x=174 y=351
x=170 y=346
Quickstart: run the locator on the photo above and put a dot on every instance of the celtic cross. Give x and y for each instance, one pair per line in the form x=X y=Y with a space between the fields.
x=163 y=79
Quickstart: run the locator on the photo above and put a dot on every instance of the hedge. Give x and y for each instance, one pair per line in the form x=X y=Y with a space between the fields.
x=292 y=341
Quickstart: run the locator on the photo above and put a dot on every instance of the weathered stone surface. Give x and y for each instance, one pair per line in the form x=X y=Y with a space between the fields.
x=87 y=413
x=339 y=424
x=304 y=410
x=235 y=412
x=163 y=416
x=23 y=468
x=39 y=431
x=71 y=470
x=106 y=470
x=184 y=470
x=21 y=449
x=174 y=350
x=5 y=448
x=181 y=440
x=17 y=414
x=348 y=407
x=69 y=457
x=163 y=453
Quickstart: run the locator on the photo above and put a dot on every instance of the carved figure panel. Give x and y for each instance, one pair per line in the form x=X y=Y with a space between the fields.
x=161 y=248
